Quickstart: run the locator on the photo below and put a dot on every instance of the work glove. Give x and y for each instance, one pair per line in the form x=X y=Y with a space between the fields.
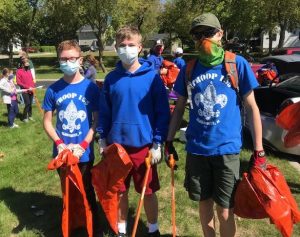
x=156 y=153
x=60 y=145
x=78 y=149
x=102 y=145
x=170 y=149
x=258 y=159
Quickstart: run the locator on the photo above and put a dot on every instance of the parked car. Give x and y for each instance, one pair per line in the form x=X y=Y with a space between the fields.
x=288 y=50
x=285 y=65
x=271 y=100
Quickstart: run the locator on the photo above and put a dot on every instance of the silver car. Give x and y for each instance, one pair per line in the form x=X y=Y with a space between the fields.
x=271 y=100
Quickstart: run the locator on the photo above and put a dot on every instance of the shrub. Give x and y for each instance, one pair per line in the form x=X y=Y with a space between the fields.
x=47 y=48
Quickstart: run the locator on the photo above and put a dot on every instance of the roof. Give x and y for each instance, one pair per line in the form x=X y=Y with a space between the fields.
x=85 y=28
x=283 y=58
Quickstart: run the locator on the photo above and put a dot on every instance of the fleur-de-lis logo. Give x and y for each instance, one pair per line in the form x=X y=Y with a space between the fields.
x=71 y=114
x=209 y=99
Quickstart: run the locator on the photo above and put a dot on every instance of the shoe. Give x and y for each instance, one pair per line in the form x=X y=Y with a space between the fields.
x=31 y=119
x=25 y=120
x=122 y=235
x=154 y=234
x=14 y=126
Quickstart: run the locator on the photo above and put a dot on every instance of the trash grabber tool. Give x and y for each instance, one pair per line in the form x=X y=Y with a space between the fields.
x=138 y=211
x=37 y=101
x=67 y=187
x=172 y=165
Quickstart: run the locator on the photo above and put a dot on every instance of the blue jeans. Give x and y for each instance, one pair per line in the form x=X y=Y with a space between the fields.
x=12 y=111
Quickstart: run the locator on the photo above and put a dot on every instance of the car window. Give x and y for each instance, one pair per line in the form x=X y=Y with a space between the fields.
x=291 y=84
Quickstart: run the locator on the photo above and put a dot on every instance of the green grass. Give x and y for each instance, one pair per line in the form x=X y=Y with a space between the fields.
x=25 y=182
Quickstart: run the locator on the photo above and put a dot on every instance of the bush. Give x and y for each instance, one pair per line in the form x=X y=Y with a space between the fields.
x=47 y=48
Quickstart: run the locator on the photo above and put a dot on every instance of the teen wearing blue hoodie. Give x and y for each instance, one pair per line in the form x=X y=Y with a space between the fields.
x=135 y=113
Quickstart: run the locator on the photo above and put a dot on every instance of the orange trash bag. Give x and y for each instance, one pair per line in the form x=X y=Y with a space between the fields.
x=107 y=177
x=271 y=191
x=76 y=209
x=173 y=71
x=289 y=119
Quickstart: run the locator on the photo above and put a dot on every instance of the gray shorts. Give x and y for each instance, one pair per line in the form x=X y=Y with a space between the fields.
x=212 y=177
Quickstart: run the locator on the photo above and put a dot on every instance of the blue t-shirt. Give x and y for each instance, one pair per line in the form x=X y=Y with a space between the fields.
x=180 y=63
x=156 y=61
x=74 y=104
x=215 y=120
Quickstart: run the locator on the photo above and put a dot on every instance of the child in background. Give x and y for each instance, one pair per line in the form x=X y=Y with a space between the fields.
x=179 y=61
x=9 y=95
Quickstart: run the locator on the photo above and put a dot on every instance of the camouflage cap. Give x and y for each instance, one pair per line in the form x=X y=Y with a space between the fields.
x=206 y=19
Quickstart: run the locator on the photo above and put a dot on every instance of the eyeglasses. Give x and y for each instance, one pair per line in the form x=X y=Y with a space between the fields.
x=71 y=59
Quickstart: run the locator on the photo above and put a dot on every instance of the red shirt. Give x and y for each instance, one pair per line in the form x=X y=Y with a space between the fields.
x=24 y=78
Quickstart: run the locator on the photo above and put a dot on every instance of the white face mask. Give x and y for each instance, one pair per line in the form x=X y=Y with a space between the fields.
x=128 y=55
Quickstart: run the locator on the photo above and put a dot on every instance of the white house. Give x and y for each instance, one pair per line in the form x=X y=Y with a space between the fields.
x=292 y=39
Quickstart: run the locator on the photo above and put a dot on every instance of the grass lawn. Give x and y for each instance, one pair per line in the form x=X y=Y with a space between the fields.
x=30 y=197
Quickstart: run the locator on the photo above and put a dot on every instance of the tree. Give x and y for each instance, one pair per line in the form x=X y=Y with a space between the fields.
x=59 y=20
x=97 y=13
x=143 y=14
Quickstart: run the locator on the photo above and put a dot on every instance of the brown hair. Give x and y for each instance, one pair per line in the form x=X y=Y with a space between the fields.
x=127 y=32
x=68 y=44
x=90 y=58
x=5 y=71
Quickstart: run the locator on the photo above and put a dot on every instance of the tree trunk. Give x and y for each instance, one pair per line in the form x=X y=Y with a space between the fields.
x=270 y=42
x=28 y=38
x=101 y=64
x=10 y=60
x=283 y=28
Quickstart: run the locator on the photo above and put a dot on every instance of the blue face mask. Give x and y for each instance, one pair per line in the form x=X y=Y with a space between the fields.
x=69 y=68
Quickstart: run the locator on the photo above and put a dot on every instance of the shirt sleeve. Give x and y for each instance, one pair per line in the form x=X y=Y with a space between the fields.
x=49 y=102
x=105 y=117
x=247 y=79
x=180 y=84
x=161 y=111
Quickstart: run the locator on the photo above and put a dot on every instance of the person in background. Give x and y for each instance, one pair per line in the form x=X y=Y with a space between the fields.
x=135 y=114
x=156 y=57
x=76 y=102
x=23 y=56
x=146 y=54
x=9 y=96
x=25 y=81
x=213 y=134
x=179 y=61
x=90 y=64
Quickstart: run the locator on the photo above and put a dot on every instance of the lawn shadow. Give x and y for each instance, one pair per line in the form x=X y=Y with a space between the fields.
x=34 y=210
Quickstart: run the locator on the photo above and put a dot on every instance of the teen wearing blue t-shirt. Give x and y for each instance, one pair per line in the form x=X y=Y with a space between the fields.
x=75 y=100
x=135 y=114
x=214 y=131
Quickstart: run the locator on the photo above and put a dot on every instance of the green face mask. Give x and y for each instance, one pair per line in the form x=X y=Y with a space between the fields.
x=211 y=53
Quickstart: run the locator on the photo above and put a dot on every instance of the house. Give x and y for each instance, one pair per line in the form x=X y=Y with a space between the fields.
x=292 y=39
x=87 y=39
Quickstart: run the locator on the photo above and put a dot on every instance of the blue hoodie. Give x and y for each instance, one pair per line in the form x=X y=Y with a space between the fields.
x=134 y=110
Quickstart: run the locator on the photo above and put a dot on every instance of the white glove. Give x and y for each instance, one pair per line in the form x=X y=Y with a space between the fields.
x=156 y=153
x=61 y=147
x=102 y=145
x=77 y=150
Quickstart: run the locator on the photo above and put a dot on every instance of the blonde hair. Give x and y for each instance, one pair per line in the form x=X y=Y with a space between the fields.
x=126 y=32
x=90 y=58
x=68 y=44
